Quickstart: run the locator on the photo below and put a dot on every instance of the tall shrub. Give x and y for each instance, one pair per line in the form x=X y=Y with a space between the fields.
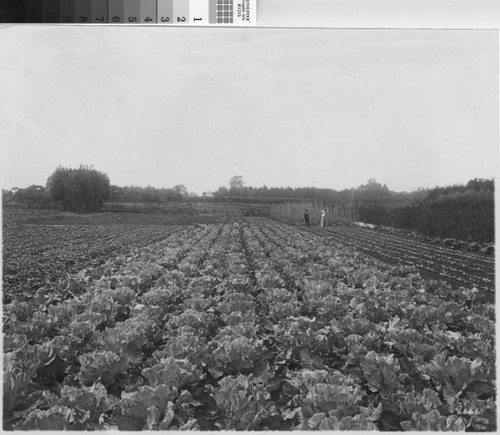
x=82 y=190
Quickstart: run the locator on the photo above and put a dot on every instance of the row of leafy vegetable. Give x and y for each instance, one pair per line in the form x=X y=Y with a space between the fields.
x=249 y=327
x=34 y=255
x=465 y=268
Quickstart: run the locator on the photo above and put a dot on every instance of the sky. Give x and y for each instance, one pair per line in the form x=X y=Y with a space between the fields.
x=280 y=107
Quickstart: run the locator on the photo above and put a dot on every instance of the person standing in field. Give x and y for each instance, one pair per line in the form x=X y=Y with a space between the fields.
x=306 y=218
x=322 y=219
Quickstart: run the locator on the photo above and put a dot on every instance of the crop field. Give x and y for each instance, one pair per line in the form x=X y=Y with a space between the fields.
x=460 y=268
x=40 y=246
x=35 y=255
x=250 y=325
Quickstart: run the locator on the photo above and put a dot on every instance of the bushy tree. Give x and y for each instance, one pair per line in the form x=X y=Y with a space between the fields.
x=82 y=190
x=222 y=190
x=236 y=183
x=181 y=189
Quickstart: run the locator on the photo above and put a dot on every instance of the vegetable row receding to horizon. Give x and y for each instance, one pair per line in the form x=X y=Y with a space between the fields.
x=249 y=326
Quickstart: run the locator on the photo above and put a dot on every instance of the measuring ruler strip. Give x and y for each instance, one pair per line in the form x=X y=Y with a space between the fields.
x=131 y=11
x=50 y=11
x=98 y=11
x=34 y=11
x=199 y=11
x=167 y=12
x=147 y=11
x=181 y=12
x=82 y=11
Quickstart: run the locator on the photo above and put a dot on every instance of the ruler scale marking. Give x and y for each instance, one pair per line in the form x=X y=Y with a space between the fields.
x=148 y=13
x=165 y=12
x=34 y=11
x=181 y=12
x=131 y=11
x=177 y=12
x=98 y=11
x=67 y=11
x=50 y=11
x=116 y=11
x=199 y=12
x=82 y=11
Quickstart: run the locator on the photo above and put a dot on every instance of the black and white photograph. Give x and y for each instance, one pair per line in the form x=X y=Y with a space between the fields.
x=248 y=228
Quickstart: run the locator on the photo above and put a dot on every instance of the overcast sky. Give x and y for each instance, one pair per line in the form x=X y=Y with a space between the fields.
x=281 y=107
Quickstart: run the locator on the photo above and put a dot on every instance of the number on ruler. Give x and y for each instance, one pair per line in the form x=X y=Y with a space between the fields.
x=66 y=19
x=181 y=19
x=148 y=19
x=116 y=19
x=132 y=19
x=165 y=19
x=100 y=19
x=83 y=19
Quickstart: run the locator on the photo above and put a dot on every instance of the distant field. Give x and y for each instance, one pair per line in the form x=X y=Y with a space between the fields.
x=137 y=216
x=457 y=267
x=41 y=246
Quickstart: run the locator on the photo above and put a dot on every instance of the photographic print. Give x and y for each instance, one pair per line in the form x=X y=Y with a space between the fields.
x=248 y=229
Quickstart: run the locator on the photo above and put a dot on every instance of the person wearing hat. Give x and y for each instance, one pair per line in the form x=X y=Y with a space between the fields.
x=322 y=219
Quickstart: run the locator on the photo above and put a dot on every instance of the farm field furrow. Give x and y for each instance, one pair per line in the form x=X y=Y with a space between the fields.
x=36 y=255
x=249 y=326
x=445 y=265
x=432 y=268
x=398 y=240
x=463 y=269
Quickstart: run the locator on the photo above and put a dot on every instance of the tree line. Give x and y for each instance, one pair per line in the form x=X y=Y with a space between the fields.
x=463 y=211
x=85 y=190
x=81 y=190
x=372 y=190
x=136 y=194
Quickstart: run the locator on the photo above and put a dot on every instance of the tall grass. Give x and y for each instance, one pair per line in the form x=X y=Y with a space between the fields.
x=293 y=212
